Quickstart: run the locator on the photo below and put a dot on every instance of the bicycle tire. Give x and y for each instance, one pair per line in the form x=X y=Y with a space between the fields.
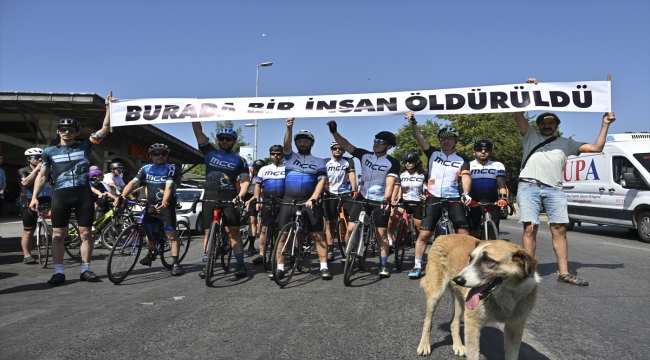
x=213 y=246
x=369 y=242
x=291 y=250
x=183 y=230
x=351 y=255
x=304 y=253
x=72 y=242
x=400 y=243
x=492 y=232
x=124 y=254
x=226 y=252
x=339 y=232
x=112 y=231
x=270 y=238
x=43 y=240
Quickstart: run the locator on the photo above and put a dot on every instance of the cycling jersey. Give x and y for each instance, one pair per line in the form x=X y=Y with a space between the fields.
x=156 y=177
x=484 y=180
x=222 y=169
x=338 y=179
x=302 y=174
x=412 y=185
x=374 y=171
x=26 y=192
x=444 y=171
x=70 y=164
x=271 y=178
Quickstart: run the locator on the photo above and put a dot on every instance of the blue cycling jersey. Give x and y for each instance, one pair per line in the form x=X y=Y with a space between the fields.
x=271 y=177
x=70 y=164
x=222 y=169
x=156 y=177
x=302 y=174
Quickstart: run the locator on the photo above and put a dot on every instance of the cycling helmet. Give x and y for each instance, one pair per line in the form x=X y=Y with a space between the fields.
x=227 y=131
x=257 y=164
x=304 y=134
x=388 y=136
x=95 y=173
x=34 y=151
x=69 y=122
x=483 y=144
x=411 y=156
x=118 y=164
x=542 y=116
x=333 y=144
x=448 y=131
x=156 y=146
x=276 y=148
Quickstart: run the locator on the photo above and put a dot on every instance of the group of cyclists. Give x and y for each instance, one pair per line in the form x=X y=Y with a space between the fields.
x=293 y=176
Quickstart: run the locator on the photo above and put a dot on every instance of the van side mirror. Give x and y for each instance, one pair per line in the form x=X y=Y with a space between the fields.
x=628 y=181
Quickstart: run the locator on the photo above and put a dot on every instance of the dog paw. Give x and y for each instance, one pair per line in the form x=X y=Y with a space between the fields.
x=424 y=349
x=459 y=350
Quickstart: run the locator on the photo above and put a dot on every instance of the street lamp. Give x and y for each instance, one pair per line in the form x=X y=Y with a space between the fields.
x=257 y=85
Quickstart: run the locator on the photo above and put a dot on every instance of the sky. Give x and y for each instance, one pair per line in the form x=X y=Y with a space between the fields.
x=210 y=49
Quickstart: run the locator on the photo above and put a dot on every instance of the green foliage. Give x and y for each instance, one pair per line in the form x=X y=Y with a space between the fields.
x=200 y=169
x=406 y=141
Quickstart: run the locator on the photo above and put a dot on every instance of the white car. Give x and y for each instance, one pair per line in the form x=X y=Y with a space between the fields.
x=185 y=197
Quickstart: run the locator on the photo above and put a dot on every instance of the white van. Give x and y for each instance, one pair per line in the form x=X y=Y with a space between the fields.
x=611 y=187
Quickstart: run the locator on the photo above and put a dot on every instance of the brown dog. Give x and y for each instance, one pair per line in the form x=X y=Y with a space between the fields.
x=496 y=281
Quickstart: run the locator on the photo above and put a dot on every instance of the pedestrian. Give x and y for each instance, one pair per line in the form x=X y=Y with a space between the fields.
x=540 y=182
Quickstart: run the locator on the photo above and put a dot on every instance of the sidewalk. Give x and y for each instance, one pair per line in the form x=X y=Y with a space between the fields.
x=11 y=231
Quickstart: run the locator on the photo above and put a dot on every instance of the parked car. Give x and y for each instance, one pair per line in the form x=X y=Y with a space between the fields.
x=185 y=198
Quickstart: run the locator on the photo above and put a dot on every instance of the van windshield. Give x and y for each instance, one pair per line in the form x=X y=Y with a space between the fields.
x=644 y=159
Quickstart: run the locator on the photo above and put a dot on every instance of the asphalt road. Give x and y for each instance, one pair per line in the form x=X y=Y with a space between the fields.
x=152 y=315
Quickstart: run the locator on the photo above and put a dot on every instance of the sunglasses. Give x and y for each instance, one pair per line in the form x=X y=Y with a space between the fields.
x=483 y=149
x=68 y=129
x=381 y=142
x=35 y=157
x=276 y=154
x=447 y=138
x=159 y=153
x=225 y=138
x=118 y=169
x=337 y=149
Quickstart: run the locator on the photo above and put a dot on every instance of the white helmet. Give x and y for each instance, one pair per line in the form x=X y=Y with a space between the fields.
x=34 y=151
x=304 y=134
x=158 y=146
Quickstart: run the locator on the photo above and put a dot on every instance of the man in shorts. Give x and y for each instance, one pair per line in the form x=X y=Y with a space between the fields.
x=26 y=178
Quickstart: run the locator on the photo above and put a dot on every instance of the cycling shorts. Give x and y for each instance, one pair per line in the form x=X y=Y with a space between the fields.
x=266 y=213
x=29 y=217
x=168 y=214
x=475 y=216
x=329 y=205
x=415 y=211
x=434 y=213
x=311 y=218
x=379 y=216
x=250 y=212
x=79 y=198
x=230 y=215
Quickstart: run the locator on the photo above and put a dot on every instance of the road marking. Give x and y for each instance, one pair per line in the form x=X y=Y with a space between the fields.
x=12 y=222
x=625 y=246
x=146 y=303
x=178 y=297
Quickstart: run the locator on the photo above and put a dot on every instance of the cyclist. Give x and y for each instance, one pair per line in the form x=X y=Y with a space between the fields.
x=411 y=189
x=101 y=196
x=488 y=183
x=113 y=178
x=341 y=181
x=270 y=179
x=26 y=177
x=69 y=161
x=222 y=167
x=444 y=168
x=159 y=180
x=304 y=182
x=252 y=218
x=380 y=174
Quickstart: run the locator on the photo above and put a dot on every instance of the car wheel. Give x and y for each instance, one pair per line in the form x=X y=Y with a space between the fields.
x=570 y=226
x=199 y=227
x=643 y=226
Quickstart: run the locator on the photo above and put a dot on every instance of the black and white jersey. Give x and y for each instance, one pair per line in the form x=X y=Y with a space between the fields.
x=484 y=180
x=444 y=171
x=338 y=176
x=412 y=185
x=374 y=171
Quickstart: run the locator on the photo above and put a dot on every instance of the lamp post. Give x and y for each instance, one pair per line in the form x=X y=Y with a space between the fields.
x=257 y=85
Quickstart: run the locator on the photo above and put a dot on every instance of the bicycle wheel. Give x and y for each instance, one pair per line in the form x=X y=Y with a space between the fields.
x=43 y=240
x=111 y=231
x=492 y=232
x=72 y=242
x=183 y=231
x=291 y=252
x=225 y=251
x=400 y=244
x=370 y=241
x=213 y=238
x=339 y=232
x=124 y=254
x=305 y=252
x=351 y=254
x=270 y=238
x=450 y=227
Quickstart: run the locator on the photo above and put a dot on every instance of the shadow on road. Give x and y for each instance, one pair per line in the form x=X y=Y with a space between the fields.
x=36 y=286
x=551 y=268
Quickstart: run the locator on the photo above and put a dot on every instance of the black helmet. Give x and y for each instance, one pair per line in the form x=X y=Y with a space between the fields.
x=411 y=156
x=483 y=144
x=116 y=165
x=276 y=148
x=257 y=164
x=69 y=122
x=388 y=136
x=542 y=116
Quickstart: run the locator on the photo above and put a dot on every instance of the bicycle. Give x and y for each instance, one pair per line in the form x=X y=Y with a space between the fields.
x=109 y=225
x=364 y=229
x=341 y=223
x=128 y=245
x=444 y=225
x=487 y=229
x=296 y=248
x=271 y=234
x=218 y=240
x=405 y=232
x=43 y=234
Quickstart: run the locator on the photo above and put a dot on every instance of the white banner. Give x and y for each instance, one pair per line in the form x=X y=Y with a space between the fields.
x=585 y=96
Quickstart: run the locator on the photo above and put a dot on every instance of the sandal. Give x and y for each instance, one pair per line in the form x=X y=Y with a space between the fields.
x=571 y=279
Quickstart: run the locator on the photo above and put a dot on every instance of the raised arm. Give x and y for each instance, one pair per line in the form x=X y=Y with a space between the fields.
x=417 y=134
x=520 y=119
x=343 y=142
x=198 y=132
x=288 y=135
x=599 y=144
x=106 y=126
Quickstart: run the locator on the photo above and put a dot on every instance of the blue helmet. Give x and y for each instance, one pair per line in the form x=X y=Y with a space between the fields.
x=228 y=131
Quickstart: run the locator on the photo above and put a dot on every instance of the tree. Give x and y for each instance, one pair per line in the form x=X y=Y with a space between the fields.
x=406 y=141
x=200 y=169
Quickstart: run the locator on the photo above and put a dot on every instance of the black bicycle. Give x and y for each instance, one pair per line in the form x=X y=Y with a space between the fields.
x=296 y=247
x=487 y=229
x=405 y=232
x=362 y=240
x=270 y=235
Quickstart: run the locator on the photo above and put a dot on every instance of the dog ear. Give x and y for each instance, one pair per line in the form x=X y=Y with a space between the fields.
x=525 y=261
